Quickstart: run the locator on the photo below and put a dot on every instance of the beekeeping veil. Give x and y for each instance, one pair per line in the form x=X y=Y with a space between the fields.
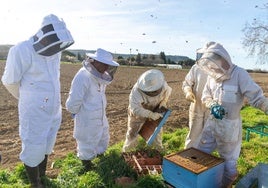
x=53 y=36
x=216 y=62
x=104 y=57
x=200 y=51
x=151 y=80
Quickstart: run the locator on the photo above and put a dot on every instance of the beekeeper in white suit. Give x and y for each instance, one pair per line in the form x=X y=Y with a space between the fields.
x=87 y=101
x=192 y=87
x=149 y=92
x=224 y=93
x=32 y=76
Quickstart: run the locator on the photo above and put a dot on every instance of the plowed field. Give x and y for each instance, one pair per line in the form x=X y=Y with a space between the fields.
x=117 y=97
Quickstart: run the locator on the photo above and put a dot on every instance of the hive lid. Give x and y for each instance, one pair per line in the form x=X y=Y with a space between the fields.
x=194 y=160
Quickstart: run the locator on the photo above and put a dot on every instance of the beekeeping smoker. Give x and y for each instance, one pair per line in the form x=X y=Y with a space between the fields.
x=32 y=76
x=150 y=91
x=224 y=93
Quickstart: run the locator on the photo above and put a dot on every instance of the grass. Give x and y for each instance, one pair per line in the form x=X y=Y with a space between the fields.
x=256 y=150
x=112 y=165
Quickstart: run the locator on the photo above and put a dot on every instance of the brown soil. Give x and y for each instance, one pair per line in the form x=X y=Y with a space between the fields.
x=117 y=97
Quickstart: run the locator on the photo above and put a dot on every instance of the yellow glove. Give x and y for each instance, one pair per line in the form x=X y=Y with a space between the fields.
x=163 y=104
x=155 y=115
x=190 y=96
x=210 y=103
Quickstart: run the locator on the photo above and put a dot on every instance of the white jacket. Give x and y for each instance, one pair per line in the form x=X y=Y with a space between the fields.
x=141 y=104
x=230 y=93
x=87 y=100
x=195 y=79
x=226 y=134
x=37 y=86
x=38 y=80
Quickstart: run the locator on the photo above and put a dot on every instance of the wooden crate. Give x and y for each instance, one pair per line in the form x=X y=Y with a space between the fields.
x=193 y=168
x=143 y=163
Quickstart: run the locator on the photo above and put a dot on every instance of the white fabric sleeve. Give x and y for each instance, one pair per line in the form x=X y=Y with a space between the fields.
x=188 y=82
x=76 y=94
x=207 y=97
x=264 y=106
x=190 y=79
x=18 y=62
x=135 y=103
x=251 y=90
x=167 y=94
x=13 y=89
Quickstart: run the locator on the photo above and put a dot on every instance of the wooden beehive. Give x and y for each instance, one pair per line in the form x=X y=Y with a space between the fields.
x=193 y=168
x=143 y=163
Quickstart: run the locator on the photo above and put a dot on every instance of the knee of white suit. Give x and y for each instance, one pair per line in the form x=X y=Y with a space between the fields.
x=230 y=168
x=86 y=154
x=32 y=155
x=130 y=144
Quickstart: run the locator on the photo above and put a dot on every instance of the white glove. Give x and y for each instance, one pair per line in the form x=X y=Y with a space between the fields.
x=190 y=96
x=155 y=116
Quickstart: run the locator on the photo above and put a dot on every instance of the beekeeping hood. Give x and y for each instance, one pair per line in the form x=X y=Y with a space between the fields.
x=53 y=36
x=216 y=62
x=151 y=80
x=104 y=57
x=200 y=51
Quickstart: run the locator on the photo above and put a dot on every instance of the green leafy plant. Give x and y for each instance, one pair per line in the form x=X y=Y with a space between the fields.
x=111 y=165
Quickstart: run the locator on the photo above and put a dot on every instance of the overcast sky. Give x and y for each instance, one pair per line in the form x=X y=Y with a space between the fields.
x=176 y=27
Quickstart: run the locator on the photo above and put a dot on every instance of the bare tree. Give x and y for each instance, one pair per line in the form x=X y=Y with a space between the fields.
x=255 y=40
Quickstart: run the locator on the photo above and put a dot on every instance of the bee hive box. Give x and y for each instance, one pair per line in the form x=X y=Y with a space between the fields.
x=144 y=162
x=193 y=168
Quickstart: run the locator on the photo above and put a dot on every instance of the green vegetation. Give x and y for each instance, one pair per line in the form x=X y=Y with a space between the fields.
x=112 y=165
x=256 y=150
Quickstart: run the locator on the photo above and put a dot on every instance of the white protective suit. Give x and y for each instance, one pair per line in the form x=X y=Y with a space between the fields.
x=140 y=105
x=87 y=100
x=228 y=90
x=34 y=80
x=194 y=82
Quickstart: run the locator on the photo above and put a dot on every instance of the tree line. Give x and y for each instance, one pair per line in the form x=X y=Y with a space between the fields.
x=133 y=60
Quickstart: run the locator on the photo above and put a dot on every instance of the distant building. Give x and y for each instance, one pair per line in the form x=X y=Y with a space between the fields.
x=172 y=66
x=169 y=66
